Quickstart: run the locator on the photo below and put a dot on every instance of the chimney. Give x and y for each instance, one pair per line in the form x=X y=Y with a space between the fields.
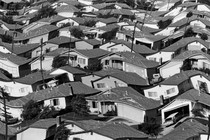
x=161 y=100
x=58 y=121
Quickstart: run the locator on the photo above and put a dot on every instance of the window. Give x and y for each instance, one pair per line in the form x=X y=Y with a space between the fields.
x=81 y=60
x=152 y=94
x=172 y=90
x=54 y=102
x=101 y=85
x=113 y=49
x=38 y=52
x=22 y=90
x=152 y=58
x=106 y=62
x=206 y=65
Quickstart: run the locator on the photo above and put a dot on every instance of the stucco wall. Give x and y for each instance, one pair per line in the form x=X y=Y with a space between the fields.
x=87 y=79
x=32 y=134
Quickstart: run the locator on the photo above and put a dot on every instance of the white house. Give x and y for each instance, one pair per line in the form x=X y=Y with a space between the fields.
x=67 y=10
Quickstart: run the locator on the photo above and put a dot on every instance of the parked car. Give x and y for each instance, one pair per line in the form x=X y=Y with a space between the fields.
x=173 y=119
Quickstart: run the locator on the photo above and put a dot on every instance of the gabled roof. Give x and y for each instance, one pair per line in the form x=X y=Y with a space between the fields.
x=107 y=20
x=187 y=54
x=184 y=42
x=72 y=70
x=122 y=5
x=37 y=32
x=129 y=78
x=11 y=130
x=79 y=20
x=14 y=58
x=61 y=40
x=127 y=95
x=92 y=53
x=141 y=49
x=44 y=123
x=100 y=5
x=70 y=2
x=186 y=130
x=33 y=78
x=67 y=8
x=117 y=131
x=56 y=52
x=53 y=19
x=109 y=27
x=195 y=96
x=63 y=90
x=91 y=41
x=82 y=89
x=181 y=77
x=20 y=49
x=183 y=21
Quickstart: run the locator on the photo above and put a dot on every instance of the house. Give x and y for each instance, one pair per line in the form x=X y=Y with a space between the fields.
x=95 y=7
x=120 y=45
x=120 y=79
x=87 y=80
x=105 y=21
x=186 y=103
x=15 y=65
x=86 y=44
x=46 y=61
x=189 y=129
x=44 y=32
x=45 y=127
x=53 y=20
x=172 y=86
x=34 y=25
x=94 y=130
x=131 y=62
x=123 y=100
x=72 y=21
x=65 y=2
x=186 y=60
x=67 y=10
x=10 y=27
x=74 y=74
x=85 y=58
x=22 y=50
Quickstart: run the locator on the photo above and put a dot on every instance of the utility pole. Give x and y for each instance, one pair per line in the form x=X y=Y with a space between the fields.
x=208 y=127
x=4 y=95
x=133 y=36
x=41 y=45
x=69 y=46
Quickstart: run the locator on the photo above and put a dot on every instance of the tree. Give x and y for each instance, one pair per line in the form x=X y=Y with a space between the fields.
x=130 y=3
x=79 y=105
x=62 y=133
x=44 y=12
x=6 y=38
x=77 y=32
x=188 y=16
x=59 y=62
x=163 y=24
x=90 y=23
x=109 y=35
x=30 y=110
x=48 y=112
x=204 y=36
x=189 y=32
x=153 y=129
x=108 y=15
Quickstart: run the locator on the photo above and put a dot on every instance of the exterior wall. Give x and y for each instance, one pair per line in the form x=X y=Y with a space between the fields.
x=82 y=65
x=64 y=32
x=110 y=82
x=170 y=69
x=197 y=78
x=38 y=39
x=4 y=50
x=72 y=22
x=90 y=8
x=118 y=48
x=48 y=46
x=10 y=67
x=111 y=63
x=66 y=14
x=74 y=128
x=46 y=64
x=82 y=45
x=86 y=2
x=161 y=90
x=138 y=70
x=197 y=23
x=124 y=110
x=61 y=104
x=16 y=89
x=153 y=25
x=87 y=79
x=106 y=45
x=89 y=136
x=174 y=105
x=144 y=40
x=195 y=46
x=32 y=134
x=60 y=71
x=179 y=17
x=164 y=56
x=203 y=8
x=100 y=24
x=13 y=111
x=167 y=31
